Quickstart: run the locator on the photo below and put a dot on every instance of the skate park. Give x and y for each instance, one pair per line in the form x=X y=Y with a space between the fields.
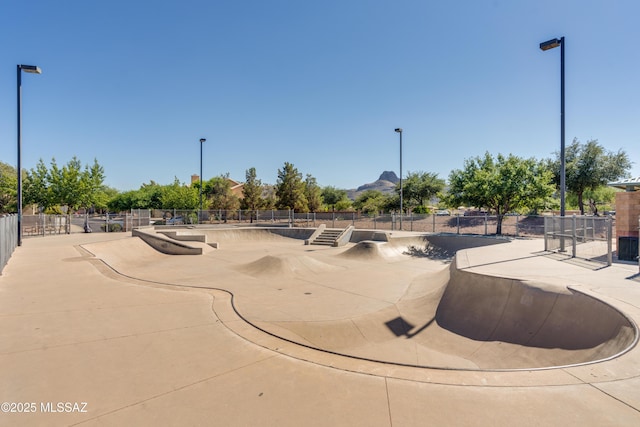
x=253 y=326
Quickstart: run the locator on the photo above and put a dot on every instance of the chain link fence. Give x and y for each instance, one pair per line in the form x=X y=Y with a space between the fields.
x=512 y=225
x=111 y=222
x=586 y=237
x=8 y=238
x=479 y=224
x=43 y=224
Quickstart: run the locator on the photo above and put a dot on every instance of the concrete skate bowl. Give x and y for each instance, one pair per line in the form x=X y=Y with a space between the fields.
x=444 y=317
x=455 y=319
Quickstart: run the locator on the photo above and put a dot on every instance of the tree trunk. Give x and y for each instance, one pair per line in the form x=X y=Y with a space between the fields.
x=580 y=203
x=499 y=224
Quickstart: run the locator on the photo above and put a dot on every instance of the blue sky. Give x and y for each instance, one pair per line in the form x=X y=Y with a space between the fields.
x=322 y=85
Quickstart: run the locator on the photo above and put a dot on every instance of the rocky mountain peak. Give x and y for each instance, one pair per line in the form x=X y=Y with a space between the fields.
x=389 y=176
x=385 y=184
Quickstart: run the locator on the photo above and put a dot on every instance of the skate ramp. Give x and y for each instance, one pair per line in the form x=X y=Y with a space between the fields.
x=447 y=317
x=460 y=320
x=441 y=247
x=287 y=265
x=251 y=234
x=368 y=250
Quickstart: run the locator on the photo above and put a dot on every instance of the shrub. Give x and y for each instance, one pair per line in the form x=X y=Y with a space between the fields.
x=113 y=228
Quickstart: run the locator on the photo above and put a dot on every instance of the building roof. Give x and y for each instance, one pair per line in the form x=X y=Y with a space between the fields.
x=629 y=184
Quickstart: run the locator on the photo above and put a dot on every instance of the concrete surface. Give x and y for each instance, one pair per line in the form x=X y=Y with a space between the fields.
x=266 y=331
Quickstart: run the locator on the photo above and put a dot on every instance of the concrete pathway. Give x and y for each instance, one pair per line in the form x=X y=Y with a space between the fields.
x=82 y=344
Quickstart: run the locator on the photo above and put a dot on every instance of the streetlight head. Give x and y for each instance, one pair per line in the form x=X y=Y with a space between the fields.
x=550 y=44
x=202 y=140
x=399 y=130
x=30 y=69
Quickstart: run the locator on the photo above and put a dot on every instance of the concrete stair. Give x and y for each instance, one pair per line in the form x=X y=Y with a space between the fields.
x=328 y=237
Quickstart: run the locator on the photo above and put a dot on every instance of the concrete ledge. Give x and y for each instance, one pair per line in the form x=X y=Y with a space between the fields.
x=376 y=236
x=185 y=237
x=163 y=244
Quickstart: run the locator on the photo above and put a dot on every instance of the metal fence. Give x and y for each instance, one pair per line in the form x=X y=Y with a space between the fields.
x=551 y=227
x=8 y=238
x=43 y=224
x=586 y=237
x=515 y=225
x=110 y=222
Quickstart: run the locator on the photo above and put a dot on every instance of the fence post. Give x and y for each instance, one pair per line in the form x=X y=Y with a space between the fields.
x=573 y=235
x=485 y=224
x=433 y=219
x=517 y=224
x=545 y=230
x=458 y=223
x=609 y=224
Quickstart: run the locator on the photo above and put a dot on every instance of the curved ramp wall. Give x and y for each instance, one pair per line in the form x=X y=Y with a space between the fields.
x=458 y=319
x=487 y=308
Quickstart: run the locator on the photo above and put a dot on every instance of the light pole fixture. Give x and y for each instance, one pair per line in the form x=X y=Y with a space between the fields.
x=33 y=70
x=550 y=44
x=202 y=141
x=399 y=130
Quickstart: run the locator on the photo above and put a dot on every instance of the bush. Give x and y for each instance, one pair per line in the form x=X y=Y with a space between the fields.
x=421 y=210
x=113 y=228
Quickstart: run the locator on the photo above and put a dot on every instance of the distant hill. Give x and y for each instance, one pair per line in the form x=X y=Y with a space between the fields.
x=386 y=183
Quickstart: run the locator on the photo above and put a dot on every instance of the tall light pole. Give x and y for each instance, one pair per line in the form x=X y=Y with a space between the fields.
x=399 y=130
x=550 y=44
x=34 y=70
x=202 y=141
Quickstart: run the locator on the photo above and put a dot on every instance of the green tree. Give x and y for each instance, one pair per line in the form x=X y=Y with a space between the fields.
x=600 y=196
x=91 y=187
x=101 y=201
x=150 y=196
x=219 y=194
x=179 y=196
x=392 y=202
x=313 y=194
x=370 y=201
x=332 y=197
x=122 y=201
x=290 y=189
x=65 y=183
x=252 y=191
x=8 y=188
x=72 y=185
x=344 y=205
x=419 y=187
x=589 y=166
x=503 y=184
x=37 y=187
